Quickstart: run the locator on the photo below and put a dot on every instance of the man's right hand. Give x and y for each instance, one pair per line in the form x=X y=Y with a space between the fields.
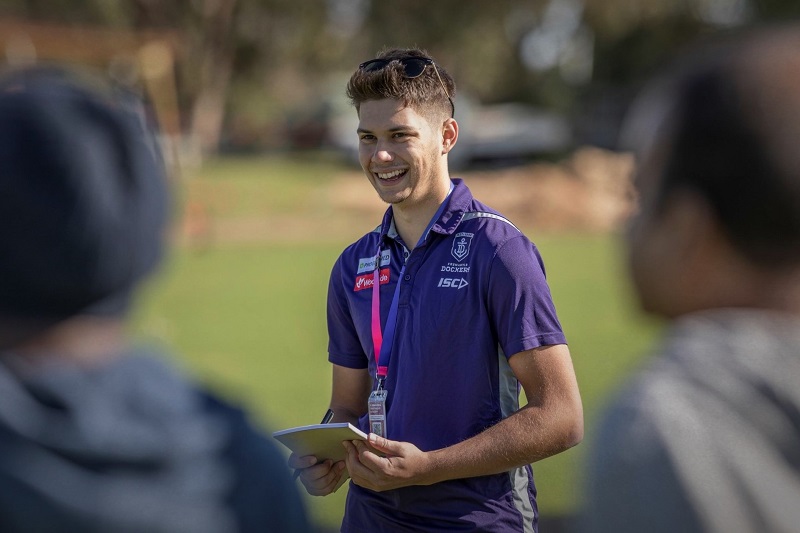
x=319 y=479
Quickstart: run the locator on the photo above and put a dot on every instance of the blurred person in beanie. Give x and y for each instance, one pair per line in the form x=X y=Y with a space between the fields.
x=706 y=437
x=97 y=434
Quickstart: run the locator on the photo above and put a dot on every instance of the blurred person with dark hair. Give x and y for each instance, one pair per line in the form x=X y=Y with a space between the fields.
x=97 y=434
x=706 y=438
x=436 y=320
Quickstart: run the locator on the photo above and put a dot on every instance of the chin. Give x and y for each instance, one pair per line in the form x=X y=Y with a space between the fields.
x=393 y=198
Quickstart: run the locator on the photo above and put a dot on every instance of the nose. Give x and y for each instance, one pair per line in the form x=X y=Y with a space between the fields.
x=382 y=154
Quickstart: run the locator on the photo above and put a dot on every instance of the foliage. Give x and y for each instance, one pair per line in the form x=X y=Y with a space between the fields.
x=281 y=57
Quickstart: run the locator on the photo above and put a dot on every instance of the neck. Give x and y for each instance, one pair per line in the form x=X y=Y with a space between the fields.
x=82 y=339
x=745 y=286
x=411 y=219
x=781 y=292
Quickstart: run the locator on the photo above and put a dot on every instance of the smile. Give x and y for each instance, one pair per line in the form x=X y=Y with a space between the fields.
x=390 y=175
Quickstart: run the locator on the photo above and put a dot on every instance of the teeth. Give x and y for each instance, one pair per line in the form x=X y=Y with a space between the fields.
x=389 y=175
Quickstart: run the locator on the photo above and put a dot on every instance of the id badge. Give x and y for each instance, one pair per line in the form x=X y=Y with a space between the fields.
x=377 y=412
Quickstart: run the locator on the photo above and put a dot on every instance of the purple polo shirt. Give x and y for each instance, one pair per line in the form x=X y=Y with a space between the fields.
x=471 y=296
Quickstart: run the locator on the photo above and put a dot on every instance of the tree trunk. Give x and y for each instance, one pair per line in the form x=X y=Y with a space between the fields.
x=217 y=50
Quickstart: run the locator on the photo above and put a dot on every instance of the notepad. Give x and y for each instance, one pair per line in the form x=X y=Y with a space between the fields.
x=324 y=441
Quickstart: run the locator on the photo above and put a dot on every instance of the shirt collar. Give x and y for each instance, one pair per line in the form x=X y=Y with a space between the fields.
x=458 y=203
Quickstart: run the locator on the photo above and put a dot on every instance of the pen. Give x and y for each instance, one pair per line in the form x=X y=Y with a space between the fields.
x=325 y=419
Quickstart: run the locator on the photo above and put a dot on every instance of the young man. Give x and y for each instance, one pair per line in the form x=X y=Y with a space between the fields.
x=97 y=435
x=456 y=297
x=707 y=437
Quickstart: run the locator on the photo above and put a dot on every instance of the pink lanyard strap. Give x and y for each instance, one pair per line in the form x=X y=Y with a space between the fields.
x=383 y=351
x=391 y=321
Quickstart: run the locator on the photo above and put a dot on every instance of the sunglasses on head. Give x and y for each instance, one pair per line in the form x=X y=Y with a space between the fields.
x=413 y=67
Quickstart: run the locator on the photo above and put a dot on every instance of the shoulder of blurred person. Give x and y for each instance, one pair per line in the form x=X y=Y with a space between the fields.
x=96 y=434
x=707 y=436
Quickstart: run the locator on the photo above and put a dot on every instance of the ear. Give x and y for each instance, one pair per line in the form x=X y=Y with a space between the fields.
x=691 y=227
x=449 y=135
x=712 y=268
x=666 y=254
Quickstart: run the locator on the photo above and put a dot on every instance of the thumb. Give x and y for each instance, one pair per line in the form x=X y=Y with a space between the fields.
x=384 y=445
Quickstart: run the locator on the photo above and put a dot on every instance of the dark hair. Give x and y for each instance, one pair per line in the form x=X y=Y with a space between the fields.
x=733 y=139
x=424 y=93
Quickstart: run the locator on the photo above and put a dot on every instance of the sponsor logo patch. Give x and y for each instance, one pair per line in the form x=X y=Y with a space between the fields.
x=461 y=244
x=453 y=283
x=367 y=264
x=365 y=281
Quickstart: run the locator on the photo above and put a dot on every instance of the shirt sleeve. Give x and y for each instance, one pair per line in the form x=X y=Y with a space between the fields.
x=519 y=298
x=344 y=346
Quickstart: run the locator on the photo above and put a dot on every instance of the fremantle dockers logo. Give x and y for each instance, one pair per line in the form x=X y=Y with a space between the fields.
x=461 y=244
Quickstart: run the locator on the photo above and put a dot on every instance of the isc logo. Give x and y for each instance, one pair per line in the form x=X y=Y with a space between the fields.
x=455 y=283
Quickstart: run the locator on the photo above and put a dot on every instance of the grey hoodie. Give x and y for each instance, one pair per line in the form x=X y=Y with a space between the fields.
x=132 y=446
x=707 y=437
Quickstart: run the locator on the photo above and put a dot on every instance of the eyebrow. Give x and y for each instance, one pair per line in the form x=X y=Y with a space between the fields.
x=390 y=130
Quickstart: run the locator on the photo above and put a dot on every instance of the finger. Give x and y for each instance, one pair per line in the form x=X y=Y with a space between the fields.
x=319 y=479
x=384 y=445
x=351 y=459
x=358 y=471
x=331 y=487
x=341 y=475
x=300 y=462
x=332 y=481
x=317 y=471
x=371 y=461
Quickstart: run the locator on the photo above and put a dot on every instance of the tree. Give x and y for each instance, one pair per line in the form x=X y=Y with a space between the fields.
x=244 y=64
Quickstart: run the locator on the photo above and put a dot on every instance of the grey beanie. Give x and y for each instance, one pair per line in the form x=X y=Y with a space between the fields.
x=83 y=199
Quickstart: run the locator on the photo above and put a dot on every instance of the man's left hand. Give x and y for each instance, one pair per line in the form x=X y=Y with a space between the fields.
x=402 y=464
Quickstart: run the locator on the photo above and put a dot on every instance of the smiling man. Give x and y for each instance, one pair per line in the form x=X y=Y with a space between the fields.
x=436 y=319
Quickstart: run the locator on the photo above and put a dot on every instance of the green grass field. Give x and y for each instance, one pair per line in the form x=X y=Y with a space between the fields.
x=249 y=319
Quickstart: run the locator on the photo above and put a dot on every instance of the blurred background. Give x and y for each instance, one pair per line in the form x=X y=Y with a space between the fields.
x=248 y=96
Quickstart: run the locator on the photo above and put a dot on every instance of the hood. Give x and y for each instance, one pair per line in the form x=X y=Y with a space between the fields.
x=749 y=358
x=125 y=446
x=724 y=400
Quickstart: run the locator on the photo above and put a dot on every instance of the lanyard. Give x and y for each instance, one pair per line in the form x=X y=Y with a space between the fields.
x=383 y=344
